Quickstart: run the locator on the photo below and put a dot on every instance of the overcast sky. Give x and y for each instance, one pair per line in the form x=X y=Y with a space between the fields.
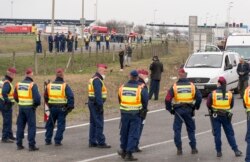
x=137 y=11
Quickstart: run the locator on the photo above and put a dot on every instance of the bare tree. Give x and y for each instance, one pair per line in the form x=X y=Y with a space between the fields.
x=140 y=29
x=162 y=31
x=112 y=24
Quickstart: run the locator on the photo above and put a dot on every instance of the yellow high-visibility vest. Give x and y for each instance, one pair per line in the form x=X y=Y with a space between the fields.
x=247 y=98
x=56 y=93
x=11 y=94
x=98 y=38
x=184 y=93
x=219 y=103
x=130 y=98
x=24 y=92
x=91 y=89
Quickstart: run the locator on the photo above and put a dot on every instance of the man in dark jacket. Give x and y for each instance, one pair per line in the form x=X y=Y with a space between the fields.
x=60 y=99
x=28 y=98
x=243 y=70
x=50 y=41
x=57 y=42
x=6 y=103
x=156 y=69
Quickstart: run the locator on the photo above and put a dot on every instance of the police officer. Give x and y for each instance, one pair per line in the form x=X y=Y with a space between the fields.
x=28 y=98
x=62 y=42
x=98 y=41
x=57 y=41
x=50 y=40
x=97 y=96
x=70 y=41
x=132 y=98
x=143 y=80
x=60 y=99
x=107 y=40
x=76 y=41
x=86 y=41
x=38 y=43
x=6 y=103
x=220 y=102
x=182 y=100
x=246 y=101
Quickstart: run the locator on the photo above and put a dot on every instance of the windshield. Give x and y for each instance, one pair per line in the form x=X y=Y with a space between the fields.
x=243 y=51
x=201 y=60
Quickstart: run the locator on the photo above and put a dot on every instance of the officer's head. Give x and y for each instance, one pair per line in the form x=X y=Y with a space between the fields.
x=11 y=72
x=60 y=73
x=134 y=75
x=222 y=81
x=182 y=73
x=242 y=60
x=29 y=72
x=102 y=69
x=155 y=58
x=143 y=74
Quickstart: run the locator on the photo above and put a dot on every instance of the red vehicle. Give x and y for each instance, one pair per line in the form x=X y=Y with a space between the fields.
x=17 y=29
x=99 y=29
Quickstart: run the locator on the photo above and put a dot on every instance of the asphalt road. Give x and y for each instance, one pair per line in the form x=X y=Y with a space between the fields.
x=157 y=142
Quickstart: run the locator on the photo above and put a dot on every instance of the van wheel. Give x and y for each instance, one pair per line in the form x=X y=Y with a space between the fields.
x=236 y=91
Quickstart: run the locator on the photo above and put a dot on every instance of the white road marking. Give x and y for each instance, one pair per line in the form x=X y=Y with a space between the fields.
x=153 y=145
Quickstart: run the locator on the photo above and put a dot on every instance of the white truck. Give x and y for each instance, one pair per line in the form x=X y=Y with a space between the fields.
x=204 y=69
x=239 y=43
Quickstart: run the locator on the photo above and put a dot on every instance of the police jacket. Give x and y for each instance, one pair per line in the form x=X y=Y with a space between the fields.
x=35 y=94
x=97 y=84
x=210 y=99
x=170 y=96
x=144 y=94
x=245 y=69
x=57 y=38
x=6 y=90
x=68 y=92
x=50 y=39
x=156 y=69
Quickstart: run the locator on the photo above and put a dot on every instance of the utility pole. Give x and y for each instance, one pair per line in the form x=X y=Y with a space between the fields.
x=230 y=5
x=11 y=12
x=53 y=18
x=154 y=23
x=82 y=22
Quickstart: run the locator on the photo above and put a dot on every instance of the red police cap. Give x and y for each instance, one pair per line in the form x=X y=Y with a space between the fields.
x=102 y=66
x=59 y=70
x=143 y=72
x=12 y=70
x=181 y=71
x=222 y=80
x=28 y=71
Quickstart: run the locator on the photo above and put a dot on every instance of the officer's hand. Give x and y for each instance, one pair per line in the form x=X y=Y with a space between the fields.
x=172 y=112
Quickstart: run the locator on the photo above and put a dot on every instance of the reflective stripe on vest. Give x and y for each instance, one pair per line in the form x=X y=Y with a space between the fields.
x=24 y=92
x=56 y=93
x=247 y=98
x=130 y=98
x=98 y=38
x=219 y=103
x=184 y=93
x=11 y=93
x=92 y=91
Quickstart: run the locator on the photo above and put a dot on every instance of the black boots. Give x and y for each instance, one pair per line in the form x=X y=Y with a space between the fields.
x=179 y=151
x=129 y=157
x=194 y=151
x=238 y=153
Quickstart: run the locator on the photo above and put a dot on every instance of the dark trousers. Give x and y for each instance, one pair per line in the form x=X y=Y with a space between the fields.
x=98 y=45
x=107 y=45
x=129 y=131
x=70 y=46
x=76 y=45
x=50 y=47
x=228 y=129
x=96 y=135
x=186 y=115
x=62 y=47
x=38 y=47
x=243 y=84
x=7 y=121
x=248 y=139
x=56 y=115
x=154 y=89
x=140 y=133
x=87 y=45
x=26 y=115
x=57 y=46
x=121 y=59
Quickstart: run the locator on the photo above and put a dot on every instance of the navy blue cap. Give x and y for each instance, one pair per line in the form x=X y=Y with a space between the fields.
x=134 y=73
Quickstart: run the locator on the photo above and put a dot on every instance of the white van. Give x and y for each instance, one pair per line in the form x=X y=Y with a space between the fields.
x=239 y=43
x=204 y=69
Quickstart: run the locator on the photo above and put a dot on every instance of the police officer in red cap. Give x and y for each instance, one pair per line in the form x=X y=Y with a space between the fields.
x=60 y=99
x=6 y=103
x=97 y=94
x=28 y=98
x=182 y=100
x=220 y=102
x=143 y=80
